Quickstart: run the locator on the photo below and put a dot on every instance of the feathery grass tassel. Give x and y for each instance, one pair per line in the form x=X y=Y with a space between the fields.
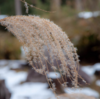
x=46 y=46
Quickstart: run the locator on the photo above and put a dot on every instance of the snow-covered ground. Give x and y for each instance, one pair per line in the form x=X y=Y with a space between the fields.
x=3 y=16
x=25 y=90
x=90 y=70
x=98 y=82
x=86 y=91
x=12 y=78
x=11 y=63
x=34 y=90
x=88 y=14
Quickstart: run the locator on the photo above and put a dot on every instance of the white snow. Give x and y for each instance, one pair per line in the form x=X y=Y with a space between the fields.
x=12 y=78
x=25 y=90
x=3 y=62
x=16 y=63
x=96 y=66
x=86 y=91
x=3 y=16
x=36 y=90
x=88 y=14
x=11 y=63
x=3 y=72
x=53 y=75
x=85 y=15
x=32 y=90
x=90 y=70
x=98 y=82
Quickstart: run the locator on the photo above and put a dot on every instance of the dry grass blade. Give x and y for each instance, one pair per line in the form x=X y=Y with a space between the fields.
x=46 y=46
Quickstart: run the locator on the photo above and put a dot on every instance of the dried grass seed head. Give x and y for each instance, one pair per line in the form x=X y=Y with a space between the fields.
x=40 y=36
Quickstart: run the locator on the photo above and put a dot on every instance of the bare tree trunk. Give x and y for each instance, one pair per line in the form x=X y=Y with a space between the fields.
x=0 y=11
x=55 y=5
x=94 y=5
x=98 y=5
x=78 y=5
x=84 y=4
x=18 y=10
x=70 y=3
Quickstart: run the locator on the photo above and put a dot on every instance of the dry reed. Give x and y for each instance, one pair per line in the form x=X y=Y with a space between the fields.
x=46 y=47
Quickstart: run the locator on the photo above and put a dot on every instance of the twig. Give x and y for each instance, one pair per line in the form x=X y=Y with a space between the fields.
x=37 y=7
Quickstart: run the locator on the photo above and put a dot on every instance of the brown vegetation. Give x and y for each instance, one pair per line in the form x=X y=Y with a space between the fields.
x=40 y=36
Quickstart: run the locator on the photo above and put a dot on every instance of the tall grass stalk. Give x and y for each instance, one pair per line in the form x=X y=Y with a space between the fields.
x=46 y=46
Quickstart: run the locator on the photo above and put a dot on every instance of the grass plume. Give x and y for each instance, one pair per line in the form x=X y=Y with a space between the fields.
x=46 y=46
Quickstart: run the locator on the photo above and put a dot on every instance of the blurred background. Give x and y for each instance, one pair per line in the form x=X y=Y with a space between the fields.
x=80 y=19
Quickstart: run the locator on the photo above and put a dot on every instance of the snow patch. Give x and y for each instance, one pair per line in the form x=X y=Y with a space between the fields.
x=90 y=70
x=3 y=63
x=53 y=75
x=86 y=91
x=87 y=15
x=96 y=66
x=32 y=91
x=26 y=90
x=3 y=16
x=98 y=82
